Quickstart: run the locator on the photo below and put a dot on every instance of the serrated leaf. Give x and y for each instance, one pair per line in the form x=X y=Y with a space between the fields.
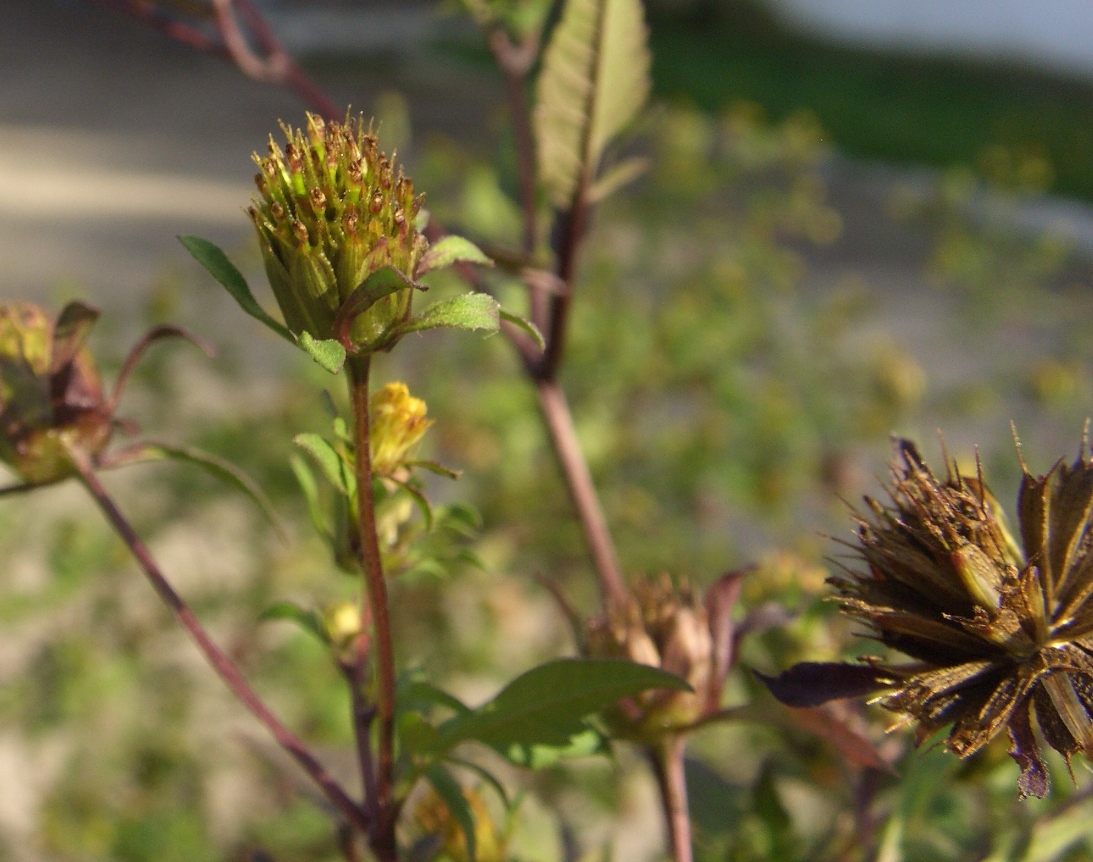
x=548 y=704
x=328 y=353
x=308 y=620
x=449 y=790
x=212 y=257
x=449 y=251
x=327 y=457
x=594 y=79
x=622 y=174
x=469 y=311
x=526 y=325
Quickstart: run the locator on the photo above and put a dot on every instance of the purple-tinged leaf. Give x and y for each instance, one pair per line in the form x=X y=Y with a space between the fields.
x=69 y=333
x=1025 y=749
x=851 y=744
x=811 y=684
x=720 y=600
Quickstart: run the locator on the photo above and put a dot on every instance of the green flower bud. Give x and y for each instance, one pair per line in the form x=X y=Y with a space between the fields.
x=51 y=398
x=331 y=210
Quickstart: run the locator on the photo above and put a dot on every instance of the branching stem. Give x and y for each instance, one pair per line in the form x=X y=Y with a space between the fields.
x=221 y=663
x=383 y=837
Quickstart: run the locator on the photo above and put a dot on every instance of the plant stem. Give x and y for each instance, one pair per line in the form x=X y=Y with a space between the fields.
x=673 y=790
x=221 y=663
x=582 y=491
x=383 y=838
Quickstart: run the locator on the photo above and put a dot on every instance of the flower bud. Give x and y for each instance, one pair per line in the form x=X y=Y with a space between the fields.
x=397 y=425
x=665 y=627
x=342 y=621
x=51 y=398
x=331 y=210
x=433 y=817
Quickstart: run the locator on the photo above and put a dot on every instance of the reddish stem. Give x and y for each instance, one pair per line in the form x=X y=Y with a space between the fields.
x=383 y=837
x=673 y=789
x=223 y=665
x=578 y=479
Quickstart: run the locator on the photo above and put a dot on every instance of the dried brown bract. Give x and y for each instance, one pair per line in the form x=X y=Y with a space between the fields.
x=998 y=638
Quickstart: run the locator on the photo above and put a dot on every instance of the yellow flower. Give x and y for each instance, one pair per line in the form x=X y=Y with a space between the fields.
x=397 y=425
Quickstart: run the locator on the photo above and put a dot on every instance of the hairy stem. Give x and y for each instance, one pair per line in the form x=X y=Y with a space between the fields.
x=563 y=436
x=673 y=791
x=221 y=663
x=383 y=839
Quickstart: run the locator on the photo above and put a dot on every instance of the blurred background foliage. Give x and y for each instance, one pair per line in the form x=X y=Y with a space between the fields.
x=726 y=401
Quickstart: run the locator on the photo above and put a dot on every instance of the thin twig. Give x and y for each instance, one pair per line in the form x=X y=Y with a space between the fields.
x=567 y=447
x=223 y=665
x=673 y=788
x=363 y=715
x=383 y=838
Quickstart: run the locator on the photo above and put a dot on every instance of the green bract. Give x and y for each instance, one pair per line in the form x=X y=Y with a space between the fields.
x=332 y=210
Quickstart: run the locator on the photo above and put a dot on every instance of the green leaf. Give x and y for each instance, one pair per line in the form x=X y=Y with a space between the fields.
x=420 y=500
x=585 y=744
x=223 y=270
x=218 y=467
x=416 y=694
x=435 y=467
x=329 y=353
x=448 y=789
x=308 y=620
x=548 y=704
x=622 y=174
x=306 y=479
x=594 y=79
x=327 y=457
x=469 y=311
x=526 y=325
x=448 y=251
x=69 y=333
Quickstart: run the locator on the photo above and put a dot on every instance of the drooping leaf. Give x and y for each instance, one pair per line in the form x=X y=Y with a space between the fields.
x=449 y=251
x=618 y=176
x=416 y=694
x=594 y=79
x=526 y=325
x=223 y=270
x=853 y=746
x=469 y=311
x=435 y=467
x=306 y=480
x=814 y=683
x=420 y=500
x=548 y=704
x=327 y=457
x=448 y=789
x=328 y=353
x=308 y=620
x=218 y=467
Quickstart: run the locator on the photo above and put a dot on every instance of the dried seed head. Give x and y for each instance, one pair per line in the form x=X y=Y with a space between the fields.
x=997 y=637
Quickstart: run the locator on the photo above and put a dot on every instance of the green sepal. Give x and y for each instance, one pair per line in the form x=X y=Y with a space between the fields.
x=328 y=353
x=449 y=251
x=469 y=311
x=212 y=257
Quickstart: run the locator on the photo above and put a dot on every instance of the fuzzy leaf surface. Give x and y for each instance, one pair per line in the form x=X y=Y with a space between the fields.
x=328 y=353
x=469 y=311
x=594 y=79
x=449 y=251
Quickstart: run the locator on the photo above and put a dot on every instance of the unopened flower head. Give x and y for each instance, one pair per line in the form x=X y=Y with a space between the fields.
x=51 y=398
x=331 y=210
x=432 y=816
x=662 y=626
x=1000 y=638
x=397 y=425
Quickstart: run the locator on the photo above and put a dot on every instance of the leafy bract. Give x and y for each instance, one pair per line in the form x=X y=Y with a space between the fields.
x=595 y=78
x=212 y=257
x=449 y=251
x=548 y=704
x=329 y=353
x=468 y=311
x=308 y=620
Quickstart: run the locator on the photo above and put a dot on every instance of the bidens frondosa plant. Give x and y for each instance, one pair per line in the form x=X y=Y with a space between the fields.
x=999 y=638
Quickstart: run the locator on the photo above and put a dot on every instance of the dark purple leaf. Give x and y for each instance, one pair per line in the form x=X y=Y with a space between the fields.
x=813 y=683
x=1026 y=751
